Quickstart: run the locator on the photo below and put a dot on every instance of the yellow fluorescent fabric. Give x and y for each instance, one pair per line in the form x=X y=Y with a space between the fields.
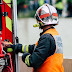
x=23 y=48
x=9 y=49
x=8 y=23
x=27 y=60
x=27 y=48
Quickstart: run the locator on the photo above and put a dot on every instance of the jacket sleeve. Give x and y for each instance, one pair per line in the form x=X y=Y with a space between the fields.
x=45 y=48
x=28 y=48
x=23 y=48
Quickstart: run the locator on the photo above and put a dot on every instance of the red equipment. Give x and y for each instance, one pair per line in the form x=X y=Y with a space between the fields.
x=7 y=63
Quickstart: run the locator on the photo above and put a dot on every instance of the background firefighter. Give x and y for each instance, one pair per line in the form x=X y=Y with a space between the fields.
x=47 y=54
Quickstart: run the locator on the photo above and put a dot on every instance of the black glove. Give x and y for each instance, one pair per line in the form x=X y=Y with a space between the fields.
x=25 y=58
x=17 y=48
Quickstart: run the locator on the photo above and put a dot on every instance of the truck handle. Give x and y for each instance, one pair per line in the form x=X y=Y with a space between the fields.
x=0 y=19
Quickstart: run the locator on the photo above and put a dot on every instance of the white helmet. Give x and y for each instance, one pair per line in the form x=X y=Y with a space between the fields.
x=46 y=15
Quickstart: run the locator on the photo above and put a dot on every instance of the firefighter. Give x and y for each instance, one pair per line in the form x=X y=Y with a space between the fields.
x=47 y=54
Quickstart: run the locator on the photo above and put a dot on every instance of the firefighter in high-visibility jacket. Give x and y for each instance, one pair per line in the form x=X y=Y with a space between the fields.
x=47 y=54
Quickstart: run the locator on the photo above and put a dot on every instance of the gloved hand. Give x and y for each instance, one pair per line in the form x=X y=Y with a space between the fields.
x=25 y=58
x=6 y=44
x=16 y=48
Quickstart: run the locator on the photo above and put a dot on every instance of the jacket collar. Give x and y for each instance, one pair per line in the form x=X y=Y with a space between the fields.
x=45 y=31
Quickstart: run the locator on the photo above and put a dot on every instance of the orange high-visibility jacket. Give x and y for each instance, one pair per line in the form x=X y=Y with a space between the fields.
x=54 y=62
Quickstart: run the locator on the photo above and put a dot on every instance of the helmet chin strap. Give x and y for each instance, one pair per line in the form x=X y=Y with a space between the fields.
x=47 y=27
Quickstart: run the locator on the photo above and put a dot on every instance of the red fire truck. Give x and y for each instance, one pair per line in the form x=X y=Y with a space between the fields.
x=8 y=17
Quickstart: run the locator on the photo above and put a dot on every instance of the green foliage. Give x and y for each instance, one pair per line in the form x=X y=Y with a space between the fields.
x=23 y=1
x=69 y=1
x=20 y=1
x=58 y=1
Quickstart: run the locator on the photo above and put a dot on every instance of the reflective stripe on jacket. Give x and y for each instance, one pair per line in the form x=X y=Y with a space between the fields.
x=54 y=62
